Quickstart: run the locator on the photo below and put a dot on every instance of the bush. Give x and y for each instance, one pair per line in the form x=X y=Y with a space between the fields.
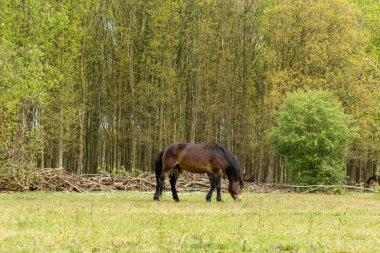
x=313 y=133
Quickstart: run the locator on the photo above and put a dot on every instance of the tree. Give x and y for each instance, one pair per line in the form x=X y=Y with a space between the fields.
x=25 y=79
x=319 y=45
x=313 y=133
x=104 y=85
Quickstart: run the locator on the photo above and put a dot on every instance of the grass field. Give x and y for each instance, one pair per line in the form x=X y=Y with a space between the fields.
x=132 y=222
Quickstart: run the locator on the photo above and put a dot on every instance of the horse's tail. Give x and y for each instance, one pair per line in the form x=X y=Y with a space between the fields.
x=158 y=171
x=158 y=164
x=234 y=165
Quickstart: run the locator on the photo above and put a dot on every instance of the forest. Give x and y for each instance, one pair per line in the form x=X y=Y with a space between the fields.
x=95 y=85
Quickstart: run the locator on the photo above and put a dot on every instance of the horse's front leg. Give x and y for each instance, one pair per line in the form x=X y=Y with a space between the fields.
x=212 y=188
x=218 y=183
x=173 y=180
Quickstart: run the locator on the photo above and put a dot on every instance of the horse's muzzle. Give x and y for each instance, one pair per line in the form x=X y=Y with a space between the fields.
x=237 y=199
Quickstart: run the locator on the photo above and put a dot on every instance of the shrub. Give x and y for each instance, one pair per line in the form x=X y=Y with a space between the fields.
x=313 y=134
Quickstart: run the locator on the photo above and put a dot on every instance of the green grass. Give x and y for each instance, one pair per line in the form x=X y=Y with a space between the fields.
x=133 y=222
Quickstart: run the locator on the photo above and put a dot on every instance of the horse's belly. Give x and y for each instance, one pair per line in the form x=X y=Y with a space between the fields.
x=195 y=169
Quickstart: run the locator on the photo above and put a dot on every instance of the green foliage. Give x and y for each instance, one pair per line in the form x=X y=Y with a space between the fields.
x=39 y=48
x=107 y=84
x=371 y=19
x=313 y=133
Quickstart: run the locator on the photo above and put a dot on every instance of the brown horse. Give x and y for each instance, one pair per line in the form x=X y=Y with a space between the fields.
x=371 y=182
x=209 y=158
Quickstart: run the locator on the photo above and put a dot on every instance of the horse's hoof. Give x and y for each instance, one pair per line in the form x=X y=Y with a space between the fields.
x=176 y=200
x=156 y=198
x=220 y=200
x=208 y=199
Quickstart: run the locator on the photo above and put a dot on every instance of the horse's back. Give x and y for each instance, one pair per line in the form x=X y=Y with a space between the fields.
x=173 y=150
x=193 y=157
x=191 y=147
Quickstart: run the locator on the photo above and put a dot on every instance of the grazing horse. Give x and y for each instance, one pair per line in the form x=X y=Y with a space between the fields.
x=210 y=158
x=371 y=182
x=248 y=177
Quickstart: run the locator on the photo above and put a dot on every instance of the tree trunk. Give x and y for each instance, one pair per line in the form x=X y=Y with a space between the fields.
x=270 y=175
x=60 y=141
x=82 y=108
x=352 y=171
x=194 y=111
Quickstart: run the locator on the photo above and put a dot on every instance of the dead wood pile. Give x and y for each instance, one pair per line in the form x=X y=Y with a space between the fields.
x=61 y=180
x=58 y=179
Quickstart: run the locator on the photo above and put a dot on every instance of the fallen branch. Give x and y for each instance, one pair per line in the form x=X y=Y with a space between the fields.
x=310 y=188
x=79 y=189
x=51 y=179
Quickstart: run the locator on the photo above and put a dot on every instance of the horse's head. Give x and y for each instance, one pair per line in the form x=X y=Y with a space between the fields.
x=234 y=188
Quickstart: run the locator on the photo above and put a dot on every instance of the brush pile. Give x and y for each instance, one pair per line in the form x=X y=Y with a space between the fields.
x=58 y=179
x=61 y=180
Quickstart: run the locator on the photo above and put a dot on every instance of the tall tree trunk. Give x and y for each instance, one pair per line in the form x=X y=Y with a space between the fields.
x=42 y=139
x=60 y=140
x=352 y=170
x=81 y=142
x=270 y=175
x=194 y=106
x=82 y=107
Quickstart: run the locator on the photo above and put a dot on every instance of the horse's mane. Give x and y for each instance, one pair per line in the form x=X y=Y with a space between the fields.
x=234 y=165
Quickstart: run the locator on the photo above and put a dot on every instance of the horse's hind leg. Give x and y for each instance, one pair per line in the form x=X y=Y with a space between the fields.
x=173 y=179
x=159 y=188
x=161 y=183
x=158 y=192
x=212 y=188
